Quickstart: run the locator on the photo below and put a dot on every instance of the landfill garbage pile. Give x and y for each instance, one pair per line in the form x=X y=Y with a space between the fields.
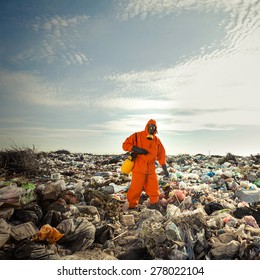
x=73 y=208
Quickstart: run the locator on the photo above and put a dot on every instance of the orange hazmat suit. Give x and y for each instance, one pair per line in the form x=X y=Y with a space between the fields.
x=144 y=175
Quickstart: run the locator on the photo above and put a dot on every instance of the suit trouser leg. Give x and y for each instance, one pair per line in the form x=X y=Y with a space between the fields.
x=135 y=190
x=152 y=188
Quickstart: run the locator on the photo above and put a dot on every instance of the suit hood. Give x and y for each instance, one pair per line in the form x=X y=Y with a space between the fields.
x=151 y=122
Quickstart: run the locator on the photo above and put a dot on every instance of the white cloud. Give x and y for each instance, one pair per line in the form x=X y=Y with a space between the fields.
x=150 y=83
x=223 y=77
x=203 y=82
x=128 y=9
x=229 y=120
x=57 y=22
x=44 y=133
x=133 y=122
x=80 y=58
x=12 y=120
x=30 y=88
x=134 y=104
x=22 y=86
x=208 y=89
x=44 y=138
x=58 y=36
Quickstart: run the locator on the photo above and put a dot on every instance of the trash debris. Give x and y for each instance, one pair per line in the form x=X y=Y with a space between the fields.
x=74 y=207
x=49 y=234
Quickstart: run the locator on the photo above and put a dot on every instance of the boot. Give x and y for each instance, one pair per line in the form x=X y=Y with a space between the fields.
x=154 y=206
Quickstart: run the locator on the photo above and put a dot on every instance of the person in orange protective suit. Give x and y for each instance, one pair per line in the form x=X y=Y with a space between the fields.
x=147 y=148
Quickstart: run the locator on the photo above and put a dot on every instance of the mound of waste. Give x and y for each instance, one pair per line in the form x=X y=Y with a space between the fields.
x=63 y=205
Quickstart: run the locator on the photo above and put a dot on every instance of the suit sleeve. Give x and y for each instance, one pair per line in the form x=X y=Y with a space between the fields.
x=129 y=143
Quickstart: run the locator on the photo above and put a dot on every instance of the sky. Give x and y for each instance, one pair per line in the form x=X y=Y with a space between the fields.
x=83 y=75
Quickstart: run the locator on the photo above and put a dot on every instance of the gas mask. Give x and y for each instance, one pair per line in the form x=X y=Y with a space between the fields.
x=151 y=131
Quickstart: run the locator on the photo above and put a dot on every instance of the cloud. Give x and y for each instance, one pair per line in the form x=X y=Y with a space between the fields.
x=241 y=24
x=144 y=8
x=198 y=91
x=222 y=80
x=57 y=23
x=134 y=104
x=194 y=82
x=26 y=87
x=57 y=37
x=150 y=83
x=12 y=120
x=205 y=90
x=172 y=123
x=47 y=132
x=30 y=88
x=127 y=9
x=228 y=120
x=132 y=122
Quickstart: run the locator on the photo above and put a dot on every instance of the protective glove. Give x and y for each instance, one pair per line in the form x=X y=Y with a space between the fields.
x=166 y=173
x=139 y=151
x=133 y=155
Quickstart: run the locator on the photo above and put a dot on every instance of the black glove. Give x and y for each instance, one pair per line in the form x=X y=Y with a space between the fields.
x=166 y=173
x=139 y=151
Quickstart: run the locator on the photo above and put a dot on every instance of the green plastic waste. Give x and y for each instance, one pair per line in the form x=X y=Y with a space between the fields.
x=257 y=182
x=29 y=196
x=28 y=186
